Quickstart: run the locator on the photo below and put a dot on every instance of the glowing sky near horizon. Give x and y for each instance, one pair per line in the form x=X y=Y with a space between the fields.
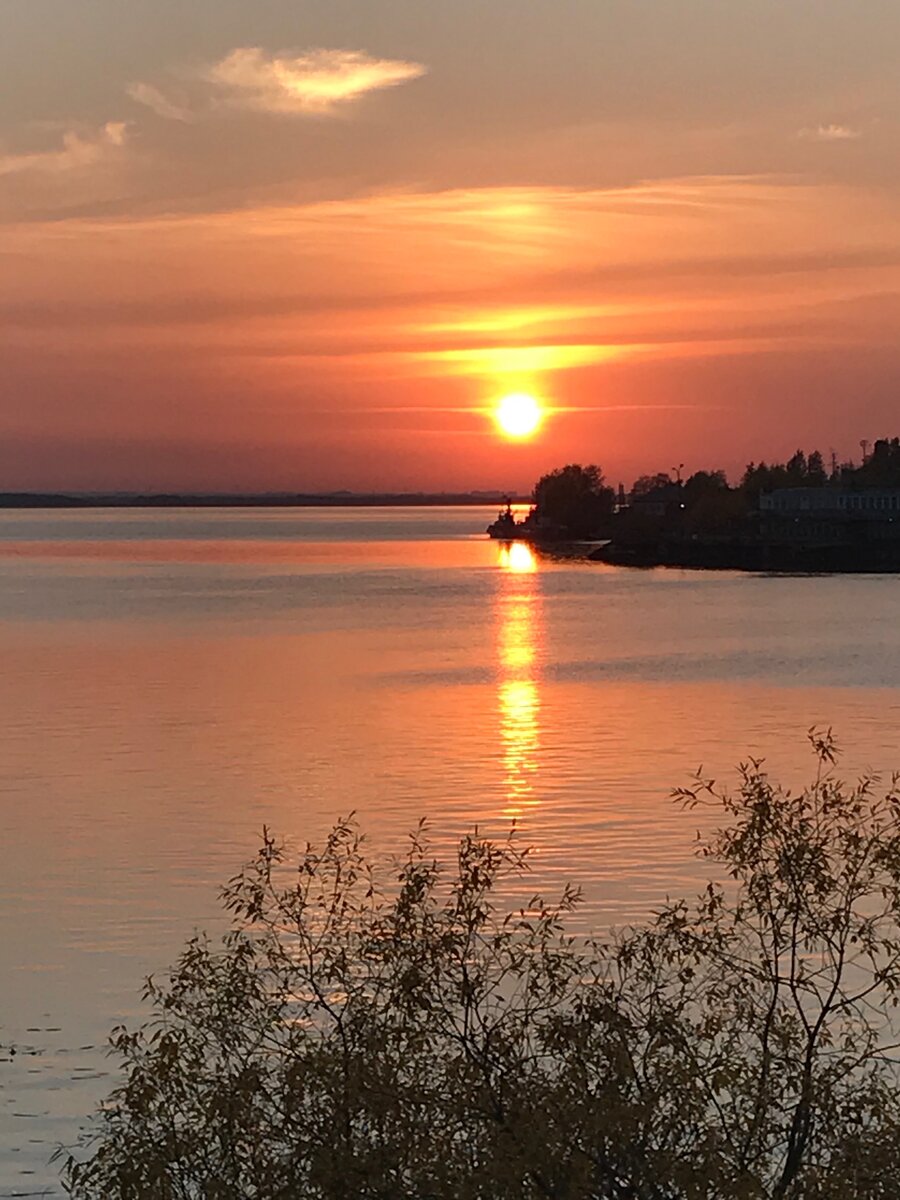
x=282 y=245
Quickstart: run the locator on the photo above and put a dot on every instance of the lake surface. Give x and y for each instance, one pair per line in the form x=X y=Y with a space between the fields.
x=173 y=680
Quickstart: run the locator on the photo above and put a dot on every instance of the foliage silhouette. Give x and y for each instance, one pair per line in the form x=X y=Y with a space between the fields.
x=645 y=484
x=415 y=1041
x=800 y=470
x=881 y=468
x=574 y=498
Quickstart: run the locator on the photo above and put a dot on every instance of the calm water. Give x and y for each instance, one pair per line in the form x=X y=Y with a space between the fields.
x=171 y=681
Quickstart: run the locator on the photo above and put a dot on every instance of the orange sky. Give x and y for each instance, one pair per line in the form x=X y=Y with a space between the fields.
x=269 y=250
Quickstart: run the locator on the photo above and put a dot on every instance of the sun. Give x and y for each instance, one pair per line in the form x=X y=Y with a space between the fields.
x=518 y=415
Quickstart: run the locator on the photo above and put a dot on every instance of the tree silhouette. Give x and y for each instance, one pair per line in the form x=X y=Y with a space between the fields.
x=574 y=498
x=645 y=484
x=360 y=1037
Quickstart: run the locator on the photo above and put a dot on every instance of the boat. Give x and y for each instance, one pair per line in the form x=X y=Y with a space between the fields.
x=505 y=528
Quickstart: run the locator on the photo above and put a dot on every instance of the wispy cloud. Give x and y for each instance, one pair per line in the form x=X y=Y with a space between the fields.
x=151 y=97
x=77 y=150
x=329 y=312
x=830 y=133
x=317 y=81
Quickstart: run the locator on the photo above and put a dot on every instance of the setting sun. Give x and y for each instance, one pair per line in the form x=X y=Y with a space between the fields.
x=518 y=415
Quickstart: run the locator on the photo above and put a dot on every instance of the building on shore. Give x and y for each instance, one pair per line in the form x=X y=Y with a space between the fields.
x=874 y=502
x=829 y=516
x=808 y=530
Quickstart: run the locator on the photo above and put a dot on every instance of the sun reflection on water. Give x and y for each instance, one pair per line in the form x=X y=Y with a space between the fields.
x=517 y=558
x=518 y=693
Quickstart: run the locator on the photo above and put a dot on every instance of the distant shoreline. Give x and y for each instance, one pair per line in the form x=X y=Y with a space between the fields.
x=66 y=500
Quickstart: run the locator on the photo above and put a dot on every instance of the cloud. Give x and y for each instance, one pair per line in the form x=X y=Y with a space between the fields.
x=151 y=97
x=318 y=81
x=77 y=150
x=830 y=133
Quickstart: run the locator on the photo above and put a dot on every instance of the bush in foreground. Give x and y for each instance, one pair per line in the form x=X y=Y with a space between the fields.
x=347 y=1041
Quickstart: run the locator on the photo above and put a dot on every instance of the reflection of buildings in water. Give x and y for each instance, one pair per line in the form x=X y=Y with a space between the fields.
x=518 y=695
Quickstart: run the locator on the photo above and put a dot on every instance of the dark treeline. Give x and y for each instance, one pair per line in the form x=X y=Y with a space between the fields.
x=579 y=502
x=881 y=468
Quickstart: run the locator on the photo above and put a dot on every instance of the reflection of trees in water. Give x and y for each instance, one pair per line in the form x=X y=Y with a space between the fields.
x=518 y=695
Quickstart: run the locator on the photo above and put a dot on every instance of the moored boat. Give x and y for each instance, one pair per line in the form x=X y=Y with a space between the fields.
x=505 y=528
